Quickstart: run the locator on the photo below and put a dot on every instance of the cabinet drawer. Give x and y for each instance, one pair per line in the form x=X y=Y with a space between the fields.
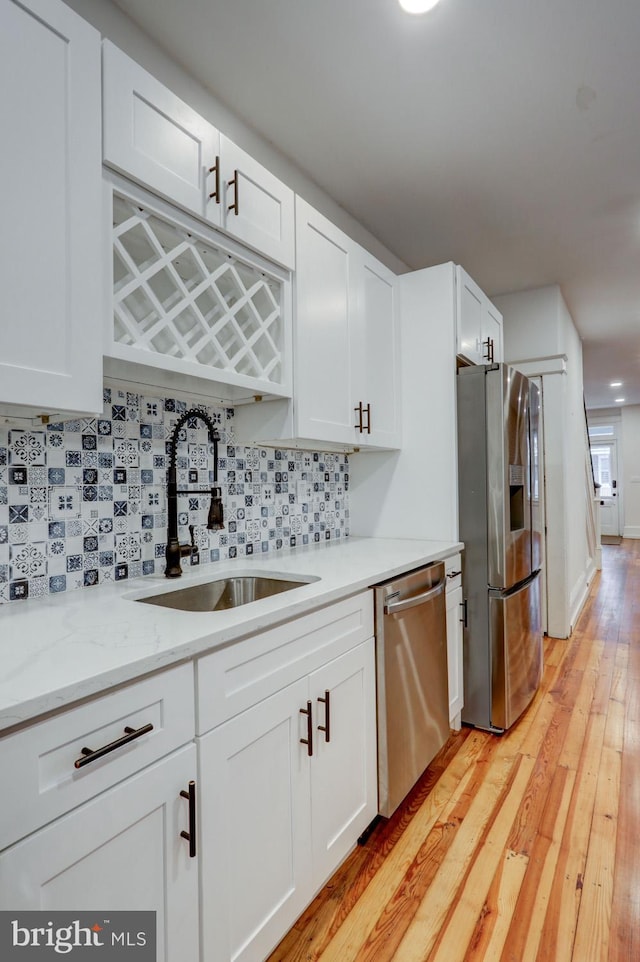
x=39 y=762
x=453 y=572
x=237 y=677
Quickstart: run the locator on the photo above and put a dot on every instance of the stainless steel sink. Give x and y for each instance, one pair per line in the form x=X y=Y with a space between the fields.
x=222 y=593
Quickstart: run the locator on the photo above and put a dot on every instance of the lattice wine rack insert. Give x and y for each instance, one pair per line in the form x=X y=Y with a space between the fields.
x=182 y=297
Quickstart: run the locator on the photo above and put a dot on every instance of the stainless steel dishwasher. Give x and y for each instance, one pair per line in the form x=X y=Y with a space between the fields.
x=412 y=682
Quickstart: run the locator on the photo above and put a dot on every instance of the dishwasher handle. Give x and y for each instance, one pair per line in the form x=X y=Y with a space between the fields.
x=421 y=599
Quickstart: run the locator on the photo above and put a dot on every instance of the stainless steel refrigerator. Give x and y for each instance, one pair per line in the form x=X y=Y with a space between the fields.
x=500 y=524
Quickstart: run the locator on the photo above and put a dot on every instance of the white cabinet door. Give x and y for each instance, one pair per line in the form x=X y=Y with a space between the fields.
x=51 y=226
x=376 y=354
x=156 y=138
x=326 y=302
x=120 y=851
x=257 y=207
x=470 y=301
x=492 y=331
x=454 y=655
x=344 y=788
x=254 y=777
x=478 y=323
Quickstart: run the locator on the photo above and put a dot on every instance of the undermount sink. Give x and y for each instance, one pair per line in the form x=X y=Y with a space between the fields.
x=222 y=593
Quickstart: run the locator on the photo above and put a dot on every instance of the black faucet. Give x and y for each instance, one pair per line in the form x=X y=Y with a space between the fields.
x=175 y=551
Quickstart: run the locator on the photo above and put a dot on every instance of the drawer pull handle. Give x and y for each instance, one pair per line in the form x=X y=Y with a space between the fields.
x=308 y=741
x=326 y=728
x=89 y=755
x=191 y=834
x=453 y=574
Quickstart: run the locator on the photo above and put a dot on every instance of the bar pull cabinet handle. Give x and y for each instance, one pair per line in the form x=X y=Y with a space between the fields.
x=486 y=350
x=463 y=605
x=359 y=411
x=216 y=170
x=308 y=741
x=368 y=427
x=326 y=728
x=130 y=735
x=191 y=834
x=453 y=574
x=492 y=357
x=235 y=207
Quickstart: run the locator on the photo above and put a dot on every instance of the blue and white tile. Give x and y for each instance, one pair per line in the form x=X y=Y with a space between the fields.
x=28 y=560
x=64 y=503
x=27 y=447
x=128 y=547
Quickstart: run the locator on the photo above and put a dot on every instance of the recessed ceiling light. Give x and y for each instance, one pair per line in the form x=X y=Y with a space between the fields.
x=616 y=384
x=619 y=400
x=417 y=6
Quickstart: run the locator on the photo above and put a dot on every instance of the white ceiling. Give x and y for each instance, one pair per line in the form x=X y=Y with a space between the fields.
x=500 y=134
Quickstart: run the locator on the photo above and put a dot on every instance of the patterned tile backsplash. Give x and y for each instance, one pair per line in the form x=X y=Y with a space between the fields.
x=83 y=502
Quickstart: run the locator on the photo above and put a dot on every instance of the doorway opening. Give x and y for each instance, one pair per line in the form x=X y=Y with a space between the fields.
x=604 y=458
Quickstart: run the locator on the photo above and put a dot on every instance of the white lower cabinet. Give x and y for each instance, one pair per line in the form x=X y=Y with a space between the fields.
x=289 y=785
x=282 y=777
x=343 y=766
x=254 y=827
x=122 y=850
x=95 y=814
x=455 y=618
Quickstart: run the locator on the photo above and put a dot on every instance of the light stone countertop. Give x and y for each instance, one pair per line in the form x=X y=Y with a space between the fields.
x=65 y=647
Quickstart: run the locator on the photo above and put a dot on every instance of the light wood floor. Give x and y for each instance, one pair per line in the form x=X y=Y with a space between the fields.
x=524 y=847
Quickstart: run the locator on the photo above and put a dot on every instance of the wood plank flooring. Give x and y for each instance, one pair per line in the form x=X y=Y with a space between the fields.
x=515 y=848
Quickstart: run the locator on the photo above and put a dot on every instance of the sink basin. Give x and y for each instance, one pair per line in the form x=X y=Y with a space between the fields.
x=222 y=593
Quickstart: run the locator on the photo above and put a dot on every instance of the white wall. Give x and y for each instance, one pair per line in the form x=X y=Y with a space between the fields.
x=538 y=325
x=117 y=27
x=630 y=451
x=532 y=326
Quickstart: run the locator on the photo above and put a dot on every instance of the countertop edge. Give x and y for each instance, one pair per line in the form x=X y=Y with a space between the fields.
x=26 y=710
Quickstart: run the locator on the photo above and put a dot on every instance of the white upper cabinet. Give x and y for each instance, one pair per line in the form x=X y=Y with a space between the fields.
x=257 y=208
x=346 y=346
x=492 y=332
x=51 y=228
x=376 y=354
x=478 y=325
x=326 y=315
x=154 y=137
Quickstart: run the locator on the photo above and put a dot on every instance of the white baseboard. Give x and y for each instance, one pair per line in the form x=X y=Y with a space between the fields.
x=580 y=592
x=631 y=531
